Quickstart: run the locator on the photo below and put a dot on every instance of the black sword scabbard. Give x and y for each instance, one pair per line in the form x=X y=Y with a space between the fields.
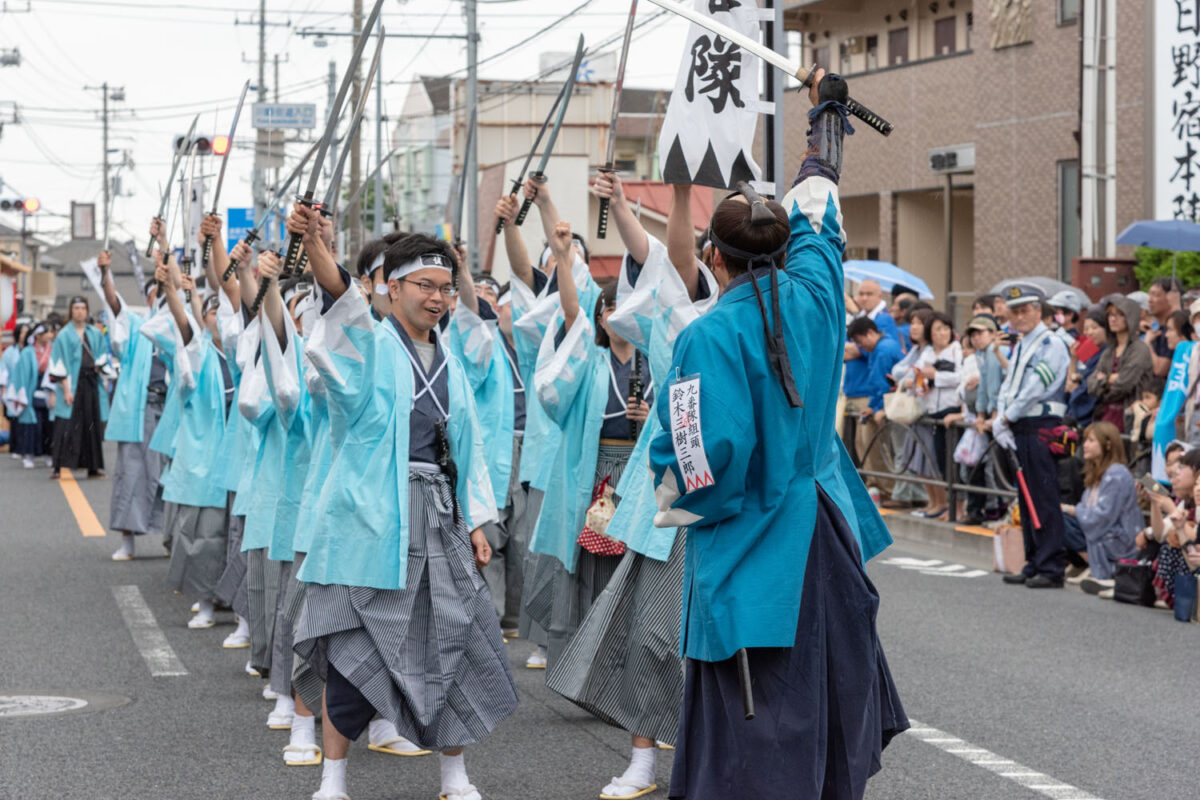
x=870 y=117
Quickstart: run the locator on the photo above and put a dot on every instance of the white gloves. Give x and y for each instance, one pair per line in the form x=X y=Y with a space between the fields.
x=1003 y=434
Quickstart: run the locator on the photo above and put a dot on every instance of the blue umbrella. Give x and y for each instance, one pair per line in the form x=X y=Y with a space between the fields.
x=888 y=275
x=1167 y=234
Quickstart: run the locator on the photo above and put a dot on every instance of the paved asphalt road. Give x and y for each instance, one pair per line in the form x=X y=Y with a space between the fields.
x=1059 y=694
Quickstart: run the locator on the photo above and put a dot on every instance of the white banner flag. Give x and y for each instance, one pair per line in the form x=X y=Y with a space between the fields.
x=708 y=132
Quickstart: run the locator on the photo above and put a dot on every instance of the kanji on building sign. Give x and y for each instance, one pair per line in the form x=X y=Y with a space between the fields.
x=1186 y=60
x=1187 y=16
x=717 y=64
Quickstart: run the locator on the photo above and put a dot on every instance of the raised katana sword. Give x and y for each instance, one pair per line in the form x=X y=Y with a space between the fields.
x=610 y=148
x=187 y=182
x=460 y=201
x=280 y=193
x=335 y=113
x=539 y=176
x=206 y=256
x=771 y=57
x=335 y=179
x=162 y=206
x=519 y=181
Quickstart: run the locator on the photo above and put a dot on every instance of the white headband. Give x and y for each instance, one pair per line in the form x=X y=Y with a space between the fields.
x=504 y=299
x=426 y=261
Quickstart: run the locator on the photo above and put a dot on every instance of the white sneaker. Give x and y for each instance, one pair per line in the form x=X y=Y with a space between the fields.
x=26 y=462
x=15 y=455
x=1079 y=577
x=536 y=660
x=1096 y=585
x=49 y=462
x=1106 y=594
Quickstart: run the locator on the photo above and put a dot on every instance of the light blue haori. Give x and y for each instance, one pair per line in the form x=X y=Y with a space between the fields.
x=22 y=383
x=749 y=532
x=293 y=415
x=653 y=306
x=126 y=418
x=362 y=535
x=192 y=479
x=160 y=329
x=572 y=385
x=477 y=345
x=532 y=316
x=254 y=402
x=66 y=355
x=319 y=460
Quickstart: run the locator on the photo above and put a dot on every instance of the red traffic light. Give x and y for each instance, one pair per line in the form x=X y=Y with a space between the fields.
x=31 y=205
x=220 y=145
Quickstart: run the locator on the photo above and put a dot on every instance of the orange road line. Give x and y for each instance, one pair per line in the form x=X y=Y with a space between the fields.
x=978 y=530
x=89 y=523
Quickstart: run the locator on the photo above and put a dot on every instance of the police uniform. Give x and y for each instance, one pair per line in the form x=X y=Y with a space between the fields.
x=1031 y=399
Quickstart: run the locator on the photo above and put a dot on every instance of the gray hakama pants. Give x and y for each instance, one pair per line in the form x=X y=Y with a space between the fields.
x=137 y=505
x=198 y=537
x=429 y=657
x=509 y=539
x=574 y=593
x=281 y=640
x=538 y=576
x=623 y=663
x=263 y=585
x=231 y=589
x=305 y=681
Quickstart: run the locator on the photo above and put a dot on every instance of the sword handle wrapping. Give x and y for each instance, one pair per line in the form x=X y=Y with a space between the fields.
x=602 y=221
x=301 y=262
x=499 y=225
x=524 y=212
x=206 y=254
x=263 y=285
x=870 y=117
x=233 y=262
x=294 y=242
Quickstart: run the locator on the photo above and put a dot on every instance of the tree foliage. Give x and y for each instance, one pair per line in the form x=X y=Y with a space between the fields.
x=1153 y=263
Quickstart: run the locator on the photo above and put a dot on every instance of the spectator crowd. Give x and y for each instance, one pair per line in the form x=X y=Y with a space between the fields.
x=921 y=400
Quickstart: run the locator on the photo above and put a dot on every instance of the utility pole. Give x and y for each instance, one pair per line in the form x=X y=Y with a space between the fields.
x=379 y=136
x=471 y=157
x=262 y=137
x=355 y=222
x=117 y=94
x=774 y=38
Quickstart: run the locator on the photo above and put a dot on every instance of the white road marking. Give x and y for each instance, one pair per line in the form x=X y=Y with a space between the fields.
x=147 y=636
x=1003 y=767
x=934 y=566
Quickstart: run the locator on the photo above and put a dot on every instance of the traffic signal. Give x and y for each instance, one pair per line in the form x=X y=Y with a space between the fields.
x=27 y=204
x=220 y=145
x=203 y=145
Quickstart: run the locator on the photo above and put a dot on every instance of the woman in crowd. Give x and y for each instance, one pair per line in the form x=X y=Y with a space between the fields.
x=1125 y=368
x=1169 y=516
x=1108 y=514
x=1085 y=357
x=80 y=403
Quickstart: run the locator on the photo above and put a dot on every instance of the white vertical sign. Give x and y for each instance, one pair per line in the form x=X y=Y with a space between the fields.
x=1177 y=109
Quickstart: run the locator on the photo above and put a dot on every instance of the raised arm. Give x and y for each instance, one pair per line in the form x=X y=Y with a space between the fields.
x=167 y=274
x=307 y=222
x=269 y=267
x=106 y=282
x=561 y=244
x=466 y=284
x=211 y=226
x=246 y=282
x=540 y=192
x=633 y=235
x=681 y=242
x=514 y=246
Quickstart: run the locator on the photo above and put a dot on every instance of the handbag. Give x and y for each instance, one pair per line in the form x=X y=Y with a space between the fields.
x=594 y=537
x=1185 y=597
x=1134 y=582
x=902 y=407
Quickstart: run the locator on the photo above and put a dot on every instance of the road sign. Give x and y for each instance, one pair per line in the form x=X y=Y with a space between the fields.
x=240 y=221
x=274 y=116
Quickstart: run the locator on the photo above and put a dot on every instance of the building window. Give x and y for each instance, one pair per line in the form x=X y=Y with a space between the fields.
x=872 y=53
x=1068 y=12
x=1068 y=217
x=844 y=57
x=821 y=56
x=945 y=36
x=897 y=47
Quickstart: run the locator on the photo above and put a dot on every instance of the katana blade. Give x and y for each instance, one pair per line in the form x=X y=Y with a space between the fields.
x=336 y=177
x=237 y=113
x=460 y=201
x=770 y=56
x=568 y=88
x=610 y=148
x=189 y=186
x=162 y=206
x=520 y=179
x=335 y=113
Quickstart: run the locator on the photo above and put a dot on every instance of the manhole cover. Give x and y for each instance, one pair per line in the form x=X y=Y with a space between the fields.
x=41 y=705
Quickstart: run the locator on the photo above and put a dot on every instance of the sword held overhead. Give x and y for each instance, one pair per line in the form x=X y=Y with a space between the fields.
x=539 y=176
x=207 y=254
x=771 y=57
x=602 y=224
x=460 y=201
x=162 y=206
x=519 y=181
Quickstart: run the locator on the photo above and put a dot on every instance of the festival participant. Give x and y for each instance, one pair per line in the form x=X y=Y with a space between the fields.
x=20 y=383
x=395 y=609
x=769 y=494
x=137 y=405
x=80 y=403
x=8 y=368
x=194 y=502
x=622 y=664
x=44 y=397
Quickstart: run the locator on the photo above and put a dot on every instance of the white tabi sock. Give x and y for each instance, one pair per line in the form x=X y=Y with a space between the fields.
x=304 y=731
x=285 y=706
x=454 y=773
x=333 y=778
x=125 y=552
x=638 y=775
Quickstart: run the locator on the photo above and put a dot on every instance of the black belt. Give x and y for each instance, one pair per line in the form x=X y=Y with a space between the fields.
x=154 y=391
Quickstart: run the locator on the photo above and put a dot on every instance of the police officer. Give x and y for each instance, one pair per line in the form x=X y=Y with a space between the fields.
x=1031 y=399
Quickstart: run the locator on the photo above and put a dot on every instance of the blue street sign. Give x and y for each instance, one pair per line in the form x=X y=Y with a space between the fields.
x=240 y=221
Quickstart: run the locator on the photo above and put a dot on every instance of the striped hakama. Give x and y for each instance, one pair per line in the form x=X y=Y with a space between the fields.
x=429 y=657
x=305 y=681
x=198 y=540
x=137 y=505
x=231 y=589
x=263 y=586
x=538 y=571
x=826 y=707
x=623 y=664
x=509 y=540
x=281 y=638
x=573 y=593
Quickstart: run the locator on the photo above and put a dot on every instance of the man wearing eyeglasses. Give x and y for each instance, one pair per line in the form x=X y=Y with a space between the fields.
x=396 y=607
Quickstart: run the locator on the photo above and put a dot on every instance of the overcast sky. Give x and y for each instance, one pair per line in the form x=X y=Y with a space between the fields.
x=175 y=59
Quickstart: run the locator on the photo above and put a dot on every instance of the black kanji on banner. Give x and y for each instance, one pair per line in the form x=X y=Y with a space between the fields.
x=718 y=64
